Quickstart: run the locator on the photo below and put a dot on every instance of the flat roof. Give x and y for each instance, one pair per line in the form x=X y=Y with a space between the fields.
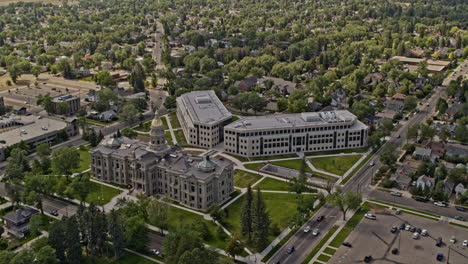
x=33 y=126
x=407 y=59
x=204 y=106
x=297 y=120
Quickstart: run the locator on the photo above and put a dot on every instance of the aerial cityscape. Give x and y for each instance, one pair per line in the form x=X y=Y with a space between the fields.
x=222 y=132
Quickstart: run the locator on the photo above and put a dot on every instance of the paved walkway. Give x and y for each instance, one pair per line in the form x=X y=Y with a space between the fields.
x=171 y=130
x=312 y=167
x=29 y=243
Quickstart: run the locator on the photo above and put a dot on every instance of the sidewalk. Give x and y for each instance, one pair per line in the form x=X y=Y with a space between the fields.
x=171 y=130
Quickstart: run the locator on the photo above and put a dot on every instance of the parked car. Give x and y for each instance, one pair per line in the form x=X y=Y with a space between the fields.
x=402 y=226
x=440 y=204
x=290 y=250
x=54 y=213
x=461 y=209
x=439 y=242
x=415 y=235
x=368 y=259
x=465 y=243
x=372 y=163
x=397 y=211
x=459 y=218
x=347 y=244
x=440 y=257
x=370 y=216
x=419 y=230
x=307 y=229
x=394 y=229
x=396 y=194
x=421 y=199
x=412 y=229
x=320 y=218
x=424 y=232
x=316 y=232
x=453 y=239
x=395 y=251
x=407 y=227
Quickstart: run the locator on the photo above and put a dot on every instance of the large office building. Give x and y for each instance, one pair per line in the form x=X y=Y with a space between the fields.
x=202 y=117
x=34 y=130
x=72 y=102
x=292 y=133
x=154 y=168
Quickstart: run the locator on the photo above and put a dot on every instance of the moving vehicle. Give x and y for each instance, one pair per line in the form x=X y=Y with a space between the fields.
x=370 y=216
x=372 y=163
x=307 y=229
x=396 y=194
x=316 y=232
x=440 y=204
x=290 y=250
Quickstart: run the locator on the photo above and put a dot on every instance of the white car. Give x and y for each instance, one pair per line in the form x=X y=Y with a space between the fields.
x=396 y=194
x=307 y=229
x=415 y=235
x=372 y=163
x=370 y=216
x=465 y=243
x=407 y=227
x=440 y=204
x=453 y=239
x=315 y=232
x=424 y=232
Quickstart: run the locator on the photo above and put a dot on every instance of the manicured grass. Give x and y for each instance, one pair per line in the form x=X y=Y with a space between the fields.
x=348 y=228
x=143 y=126
x=330 y=251
x=294 y=164
x=85 y=159
x=101 y=194
x=338 y=165
x=179 y=134
x=281 y=208
x=323 y=258
x=320 y=244
x=253 y=166
x=169 y=138
x=174 y=120
x=338 y=151
x=242 y=179
x=356 y=169
x=127 y=258
x=462 y=226
x=98 y=123
x=164 y=121
x=271 y=184
x=178 y=217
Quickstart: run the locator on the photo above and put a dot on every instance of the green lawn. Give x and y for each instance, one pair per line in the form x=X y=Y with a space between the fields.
x=179 y=134
x=174 y=121
x=242 y=179
x=101 y=194
x=330 y=251
x=164 y=121
x=292 y=164
x=323 y=258
x=271 y=184
x=169 y=138
x=281 y=207
x=85 y=159
x=253 y=166
x=338 y=151
x=356 y=169
x=127 y=258
x=179 y=217
x=144 y=126
x=338 y=165
x=98 y=123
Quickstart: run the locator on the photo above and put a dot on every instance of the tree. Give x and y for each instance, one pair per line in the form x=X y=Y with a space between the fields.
x=116 y=233
x=137 y=78
x=57 y=238
x=410 y=102
x=46 y=255
x=129 y=114
x=441 y=106
x=104 y=79
x=234 y=247
x=135 y=233
x=36 y=70
x=345 y=201
x=128 y=132
x=185 y=246
x=79 y=188
x=282 y=104
x=246 y=214
x=46 y=102
x=299 y=184
x=388 y=157
x=158 y=213
x=64 y=160
x=72 y=241
x=413 y=132
x=63 y=108
x=260 y=222
x=36 y=224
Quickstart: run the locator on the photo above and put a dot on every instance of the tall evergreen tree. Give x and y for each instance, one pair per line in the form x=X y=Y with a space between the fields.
x=72 y=241
x=117 y=234
x=246 y=214
x=137 y=78
x=260 y=222
x=57 y=238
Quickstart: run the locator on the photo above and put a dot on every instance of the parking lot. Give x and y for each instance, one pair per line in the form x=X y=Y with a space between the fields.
x=373 y=237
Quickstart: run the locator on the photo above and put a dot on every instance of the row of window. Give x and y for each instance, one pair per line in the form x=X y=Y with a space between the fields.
x=287 y=131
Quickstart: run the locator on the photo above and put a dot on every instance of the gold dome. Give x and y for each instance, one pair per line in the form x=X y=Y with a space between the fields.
x=156 y=122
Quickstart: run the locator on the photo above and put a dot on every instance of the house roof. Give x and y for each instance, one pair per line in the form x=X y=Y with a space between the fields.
x=20 y=215
x=424 y=152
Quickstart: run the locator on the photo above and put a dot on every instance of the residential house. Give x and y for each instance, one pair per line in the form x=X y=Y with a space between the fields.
x=282 y=86
x=386 y=114
x=246 y=84
x=452 y=111
x=447 y=126
x=399 y=97
x=339 y=98
x=448 y=186
x=454 y=150
x=422 y=153
x=313 y=106
x=401 y=176
x=437 y=148
x=107 y=116
x=373 y=79
x=394 y=105
x=17 y=222
x=460 y=189
x=424 y=182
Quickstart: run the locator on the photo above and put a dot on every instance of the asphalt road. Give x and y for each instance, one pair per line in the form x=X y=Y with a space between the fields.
x=360 y=183
x=155 y=241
